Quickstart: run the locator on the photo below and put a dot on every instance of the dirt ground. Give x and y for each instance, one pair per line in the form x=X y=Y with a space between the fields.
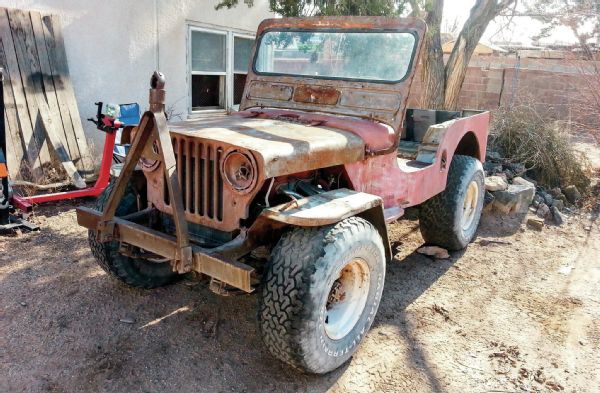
x=516 y=311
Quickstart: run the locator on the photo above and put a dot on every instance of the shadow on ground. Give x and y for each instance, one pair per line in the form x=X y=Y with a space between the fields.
x=73 y=328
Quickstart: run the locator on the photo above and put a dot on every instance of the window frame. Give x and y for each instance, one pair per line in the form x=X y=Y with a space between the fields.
x=228 y=74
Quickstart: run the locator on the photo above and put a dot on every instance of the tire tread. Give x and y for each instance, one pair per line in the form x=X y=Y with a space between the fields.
x=285 y=301
x=128 y=270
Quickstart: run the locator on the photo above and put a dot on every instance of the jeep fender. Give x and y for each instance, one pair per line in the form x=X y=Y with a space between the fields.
x=331 y=207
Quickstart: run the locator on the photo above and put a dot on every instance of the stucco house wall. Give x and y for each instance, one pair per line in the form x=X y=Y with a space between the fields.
x=113 y=46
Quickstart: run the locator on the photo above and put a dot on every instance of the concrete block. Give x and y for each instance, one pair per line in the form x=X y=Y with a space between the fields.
x=515 y=199
x=519 y=180
x=495 y=183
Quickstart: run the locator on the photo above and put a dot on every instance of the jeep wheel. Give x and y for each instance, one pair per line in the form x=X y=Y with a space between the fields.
x=136 y=272
x=321 y=291
x=450 y=218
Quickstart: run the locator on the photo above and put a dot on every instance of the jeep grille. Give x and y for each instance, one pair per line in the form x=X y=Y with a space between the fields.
x=200 y=177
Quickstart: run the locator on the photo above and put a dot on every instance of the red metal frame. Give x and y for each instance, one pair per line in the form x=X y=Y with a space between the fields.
x=398 y=185
x=25 y=203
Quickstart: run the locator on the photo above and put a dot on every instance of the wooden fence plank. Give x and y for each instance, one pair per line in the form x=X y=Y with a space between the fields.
x=59 y=148
x=20 y=103
x=36 y=98
x=20 y=24
x=67 y=138
x=59 y=89
x=64 y=88
x=14 y=153
x=11 y=158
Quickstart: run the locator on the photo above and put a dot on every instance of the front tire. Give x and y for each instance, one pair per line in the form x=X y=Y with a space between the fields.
x=135 y=272
x=321 y=293
x=450 y=218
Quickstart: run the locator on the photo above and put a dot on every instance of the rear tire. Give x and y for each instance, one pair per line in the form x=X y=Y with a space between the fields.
x=135 y=272
x=321 y=292
x=450 y=218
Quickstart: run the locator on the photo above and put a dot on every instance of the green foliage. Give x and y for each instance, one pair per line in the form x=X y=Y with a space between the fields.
x=360 y=7
x=232 y=3
x=328 y=7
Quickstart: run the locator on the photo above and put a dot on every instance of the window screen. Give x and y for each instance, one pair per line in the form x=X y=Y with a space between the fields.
x=242 y=48
x=208 y=52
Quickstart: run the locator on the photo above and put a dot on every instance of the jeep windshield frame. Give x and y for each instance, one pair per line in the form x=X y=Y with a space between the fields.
x=383 y=102
x=341 y=34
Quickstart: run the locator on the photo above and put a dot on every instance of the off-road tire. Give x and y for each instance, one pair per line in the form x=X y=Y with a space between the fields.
x=135 y=272
x=303 y=267
x=440 y=217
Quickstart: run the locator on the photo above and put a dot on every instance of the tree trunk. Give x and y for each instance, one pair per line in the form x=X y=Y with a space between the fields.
x=456 y=68
x=432 y=77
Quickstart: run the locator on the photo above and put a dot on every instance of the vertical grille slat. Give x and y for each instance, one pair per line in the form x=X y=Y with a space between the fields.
x=196 y=175
x=199 y=174
x=202 y=179
x=189 y=152
x=215 y=187
x=218 y=201
x=211 y=183
x=178 y=156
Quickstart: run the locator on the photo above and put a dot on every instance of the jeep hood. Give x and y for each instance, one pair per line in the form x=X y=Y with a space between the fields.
x=280 y=147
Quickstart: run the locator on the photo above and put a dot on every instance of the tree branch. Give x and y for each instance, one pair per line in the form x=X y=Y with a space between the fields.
x=432 y=77
x=481 y=15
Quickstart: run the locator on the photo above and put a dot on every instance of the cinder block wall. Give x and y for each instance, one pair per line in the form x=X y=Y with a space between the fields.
x=553 y=85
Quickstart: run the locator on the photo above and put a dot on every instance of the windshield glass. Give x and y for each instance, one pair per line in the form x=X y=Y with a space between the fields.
x=358 y=55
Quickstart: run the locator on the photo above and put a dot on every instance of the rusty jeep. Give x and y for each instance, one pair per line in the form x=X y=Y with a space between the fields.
x=291 y=195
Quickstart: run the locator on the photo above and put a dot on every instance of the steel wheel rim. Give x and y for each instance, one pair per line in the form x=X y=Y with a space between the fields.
x=347 y=298
x=470 y=205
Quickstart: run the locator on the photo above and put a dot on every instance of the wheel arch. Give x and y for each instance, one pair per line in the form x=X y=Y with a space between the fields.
x=330 y=208
x=376 y=217
x=469 y=146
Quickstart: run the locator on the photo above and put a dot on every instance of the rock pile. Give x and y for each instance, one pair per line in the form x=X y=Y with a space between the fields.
x=509 y=190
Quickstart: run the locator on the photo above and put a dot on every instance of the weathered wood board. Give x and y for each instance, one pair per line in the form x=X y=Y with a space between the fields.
x=42 y=118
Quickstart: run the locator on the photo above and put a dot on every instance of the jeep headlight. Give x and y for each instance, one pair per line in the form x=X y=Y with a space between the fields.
x=239 y=170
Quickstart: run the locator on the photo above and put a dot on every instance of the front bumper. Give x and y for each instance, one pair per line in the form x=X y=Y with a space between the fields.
x=219 y=263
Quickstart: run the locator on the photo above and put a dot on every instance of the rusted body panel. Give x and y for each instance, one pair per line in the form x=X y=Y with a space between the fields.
x=329 y=208
x=400 y=184
x=280 y=147
x=323 y=209
x=375 y=136
x=383 y=102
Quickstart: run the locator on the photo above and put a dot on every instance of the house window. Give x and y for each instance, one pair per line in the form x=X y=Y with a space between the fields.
x=242 y=50
x=218 y=67
x=208 y=69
